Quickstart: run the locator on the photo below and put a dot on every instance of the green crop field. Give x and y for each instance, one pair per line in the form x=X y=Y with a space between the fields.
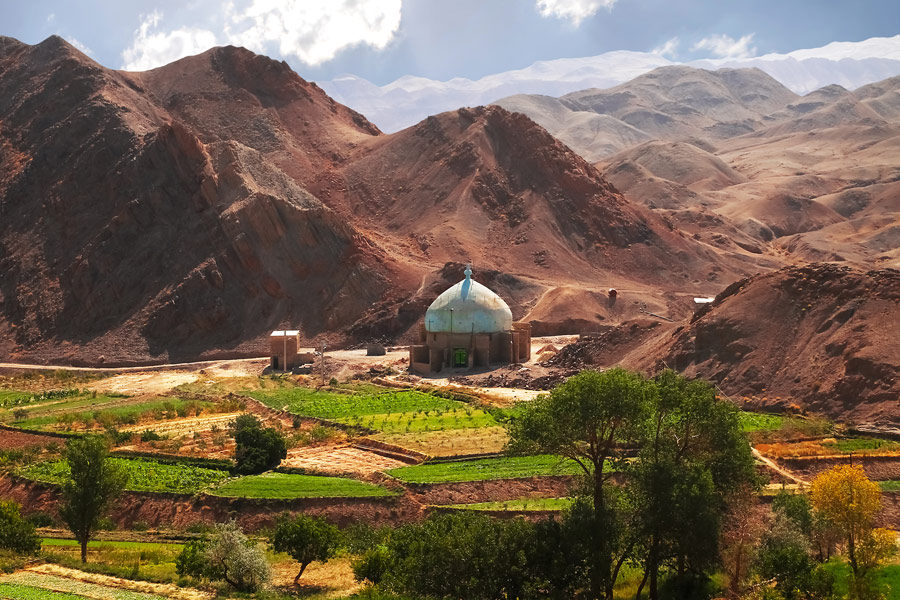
x=505 y=467
x=331 y=405
x=520 y=504
x=66 y=588
x=760 y=421
x=406 y=411
x=289 y=485
x=143 y=475
x=13 y=591
x=862 y=444
x=108 y=410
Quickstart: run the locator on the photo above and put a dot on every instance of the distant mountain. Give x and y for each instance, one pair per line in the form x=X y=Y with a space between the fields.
x=668 y=103
x=410 y=99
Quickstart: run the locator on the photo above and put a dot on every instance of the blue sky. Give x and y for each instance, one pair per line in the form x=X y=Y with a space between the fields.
x=382 y=40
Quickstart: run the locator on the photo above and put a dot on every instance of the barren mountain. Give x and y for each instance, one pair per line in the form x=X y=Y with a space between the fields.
x=815 y=338
x=821 y=336
x=736 y=157
x=185 y=211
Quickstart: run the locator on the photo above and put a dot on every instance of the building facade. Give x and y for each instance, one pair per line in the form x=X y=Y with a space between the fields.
x=467 y=327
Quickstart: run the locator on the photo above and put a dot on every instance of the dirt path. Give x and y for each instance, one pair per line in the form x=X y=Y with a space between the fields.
x=781 y=471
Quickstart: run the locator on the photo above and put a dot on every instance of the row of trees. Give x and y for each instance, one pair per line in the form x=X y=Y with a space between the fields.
x=678 y=456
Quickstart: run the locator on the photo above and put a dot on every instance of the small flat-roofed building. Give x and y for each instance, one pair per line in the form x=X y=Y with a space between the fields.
x=284 y=349
x=469 y=326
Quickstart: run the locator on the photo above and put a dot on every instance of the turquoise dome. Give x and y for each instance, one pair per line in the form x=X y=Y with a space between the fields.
x=468 y=307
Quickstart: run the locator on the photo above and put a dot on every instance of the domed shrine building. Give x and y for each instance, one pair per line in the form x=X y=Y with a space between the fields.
x=466 y=327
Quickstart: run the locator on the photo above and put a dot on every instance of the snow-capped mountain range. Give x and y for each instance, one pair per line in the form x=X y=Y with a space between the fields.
x=408 y=100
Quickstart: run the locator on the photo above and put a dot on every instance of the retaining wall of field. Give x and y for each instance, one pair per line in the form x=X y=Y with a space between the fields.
x=493 y=490
x=172 y=510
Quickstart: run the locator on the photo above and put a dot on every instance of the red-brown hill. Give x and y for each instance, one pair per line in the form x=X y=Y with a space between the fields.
x=820 y=336
x=184 y=211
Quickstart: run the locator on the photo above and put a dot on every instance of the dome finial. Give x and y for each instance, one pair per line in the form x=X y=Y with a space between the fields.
x=468 y=271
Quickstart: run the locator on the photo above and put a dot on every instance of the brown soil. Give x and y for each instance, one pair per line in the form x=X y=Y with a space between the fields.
x=10 y=439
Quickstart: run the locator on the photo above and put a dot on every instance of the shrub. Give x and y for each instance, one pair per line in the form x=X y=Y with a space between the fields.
x=373 y=565
x=257 y=448
x=191 y=561
x=236 y=560
x=148 y=435
x=40 y=519
x=20 y=414
x=17 y=533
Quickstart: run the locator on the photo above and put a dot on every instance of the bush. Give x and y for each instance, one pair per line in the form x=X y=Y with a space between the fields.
x=148 y=435
x=191 y=561
x=373 y=565
x=17 y=533
x=20 y=414
x=233 y=558
x=226 y=556
x=40 y=519
x=257 y=448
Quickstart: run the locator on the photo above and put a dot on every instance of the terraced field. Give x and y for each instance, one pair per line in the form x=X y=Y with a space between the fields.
x=410 y=418
x=143 y=475
x=521 y=504
x=505 y=467
x=288 y=485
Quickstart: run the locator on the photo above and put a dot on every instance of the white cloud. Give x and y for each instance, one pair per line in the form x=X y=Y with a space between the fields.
x=51 y=17
x=80 y=46
x=151 y=48
x=314 y=30
x=723 y=46
x=574 y=10
x=669 y=49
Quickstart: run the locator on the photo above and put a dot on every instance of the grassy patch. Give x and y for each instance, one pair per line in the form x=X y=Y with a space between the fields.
x=520 y=504
x=64 y=585
x=892 y=485
x=288 y=485
x=14 y=591
x=861 y=444
x=106 y=545
x=505 y=467
x=143 y=475
x=751 y=421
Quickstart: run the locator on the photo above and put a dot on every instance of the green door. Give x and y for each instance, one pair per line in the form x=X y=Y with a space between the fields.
x=460 y=357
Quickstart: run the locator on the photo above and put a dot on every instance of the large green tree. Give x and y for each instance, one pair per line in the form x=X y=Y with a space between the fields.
x=94 y=482
x=693 y=456
x=591 y=419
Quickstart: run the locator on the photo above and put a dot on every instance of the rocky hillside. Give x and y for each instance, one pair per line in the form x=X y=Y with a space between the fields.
x=185 y=211
x=821 y=336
